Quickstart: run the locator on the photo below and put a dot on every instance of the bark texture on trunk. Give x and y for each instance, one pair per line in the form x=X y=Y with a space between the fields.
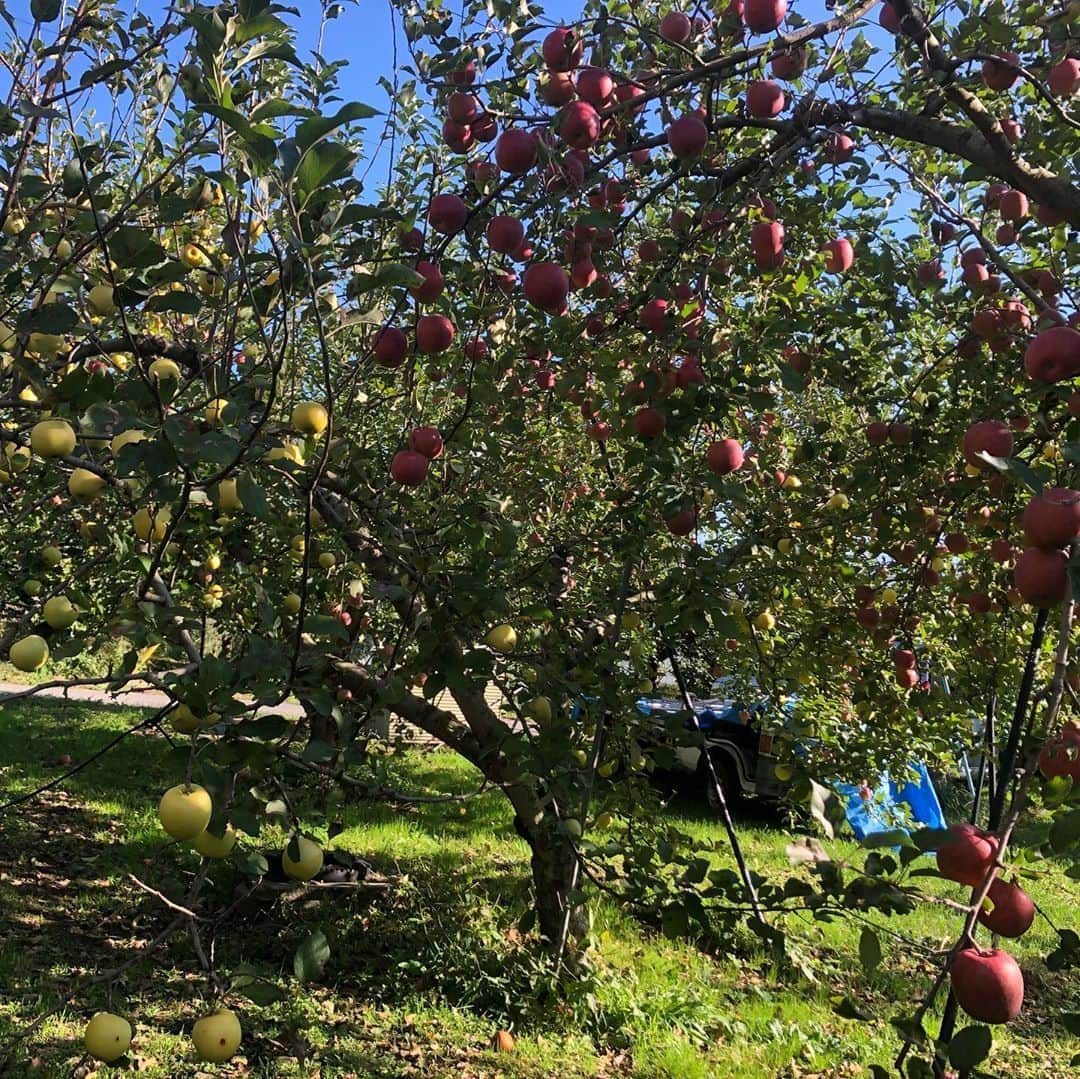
x=483 y=741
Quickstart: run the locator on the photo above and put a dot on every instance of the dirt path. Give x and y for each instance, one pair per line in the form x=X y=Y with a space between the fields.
x=130 y=697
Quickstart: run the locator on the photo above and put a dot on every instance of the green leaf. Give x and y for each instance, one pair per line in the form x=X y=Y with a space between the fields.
x=251 y=863
x=322 y=165
x=970 y=1047
x=48 y=318
x=1065 y=830
x=869 y=950
x=846 y=1008
x=311 y=957
x=253 y=497
x=185 y=303
x=258 y=140
x=310 y=131
x=261 y=24
x=396 y=273
x=249 y=983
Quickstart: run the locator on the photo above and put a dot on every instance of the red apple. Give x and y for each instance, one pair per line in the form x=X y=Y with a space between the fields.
x=1061 y=755
x=447 y=214
x=595 y=85
x=1013 y=205
x=1013 y=910
x=725 y=456
x=426 y=441
x=676 y=27
x=987 y=985
x=391 y=347
x=516 y=150
x=877 y=433
x=1053 y=354
x=563 y=49
x=462 y=107
x=991 y=436
x=764 y=98
x=839 y=255
x=1064 y=76
x=682 y=524
x=580 y=125
x=903 y=659
x=1040 y=576
x=433 y=283
x=788 y=63
x=839 y=148
x=409 y=468
x=434 y=333
x=649 y=423
x=546 y=286
x=654 y=315
x=888 y=19
x=998 y=75
x=763 y=16
x=687 y=137
x=967 y=857
x=505 y=234
x=1052 y=518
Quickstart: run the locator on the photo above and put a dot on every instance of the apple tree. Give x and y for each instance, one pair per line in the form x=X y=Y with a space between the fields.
x=735 y=343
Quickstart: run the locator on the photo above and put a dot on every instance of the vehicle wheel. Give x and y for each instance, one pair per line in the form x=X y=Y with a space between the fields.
x=728 y=780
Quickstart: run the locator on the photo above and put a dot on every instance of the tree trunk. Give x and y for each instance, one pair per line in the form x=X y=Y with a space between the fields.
x=552 y=862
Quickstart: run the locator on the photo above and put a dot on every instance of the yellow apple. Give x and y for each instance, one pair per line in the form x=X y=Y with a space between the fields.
x=107 y=1037
x=29 y=654
x=215 y=409
x=213 y=562
x=32 y=587
x=604 y=820
x=163 y=369
x=45 y=344
x=13 y=225
x=184 y=810
x=227 y=498
x=62 y=251
x=889 y=597
x=192 y=256
x=308 y=864
x=184 y=720
x=82 y=483
x=212 y=846
x=309 y=418
x=502 y=638
x=791 y=483
x=539 y=709
x=766 y=620
x=837 y=501
x=52 y=438
x=784 y=545
x=51 y=556
x=291 y=603
x=101 y=301
x=217 y=1037
x=146 y=526
x=59 y=612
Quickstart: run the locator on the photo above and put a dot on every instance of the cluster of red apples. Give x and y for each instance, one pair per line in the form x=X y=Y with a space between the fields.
x=987 y=983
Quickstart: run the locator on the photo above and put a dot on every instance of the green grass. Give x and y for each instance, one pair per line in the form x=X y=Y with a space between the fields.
x=422 y=974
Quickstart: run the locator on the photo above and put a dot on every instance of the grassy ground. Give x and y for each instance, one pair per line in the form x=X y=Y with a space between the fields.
x=421 y=976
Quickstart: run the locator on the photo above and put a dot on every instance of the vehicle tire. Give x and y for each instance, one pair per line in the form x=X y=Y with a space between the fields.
x=725 y=772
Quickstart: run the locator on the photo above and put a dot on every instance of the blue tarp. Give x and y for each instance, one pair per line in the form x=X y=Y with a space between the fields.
x=881 y=812
x=709 y=712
